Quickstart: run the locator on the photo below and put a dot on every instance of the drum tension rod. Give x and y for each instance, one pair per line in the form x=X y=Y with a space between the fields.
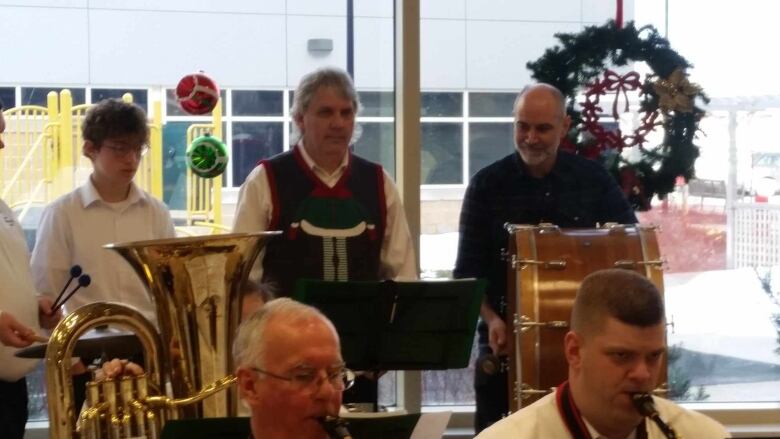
x=518 y=263
x=524 y=323
x=524 y=391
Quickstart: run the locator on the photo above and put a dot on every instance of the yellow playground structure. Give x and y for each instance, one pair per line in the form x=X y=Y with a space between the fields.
x=42 y=159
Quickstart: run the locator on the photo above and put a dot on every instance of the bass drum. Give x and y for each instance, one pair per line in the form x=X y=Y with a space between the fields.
x=546 y=265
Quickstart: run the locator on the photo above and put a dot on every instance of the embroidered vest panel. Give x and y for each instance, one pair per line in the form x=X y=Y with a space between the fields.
x=328 y=233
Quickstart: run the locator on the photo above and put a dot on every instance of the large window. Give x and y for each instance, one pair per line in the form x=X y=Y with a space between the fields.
x=8 y=96
x=37 y=95
x=140 y=96
x=719 y=235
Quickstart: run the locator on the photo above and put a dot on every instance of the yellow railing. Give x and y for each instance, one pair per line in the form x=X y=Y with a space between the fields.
x=27 y=159
x=18 y=188
x=42 y=159
x=204 y=195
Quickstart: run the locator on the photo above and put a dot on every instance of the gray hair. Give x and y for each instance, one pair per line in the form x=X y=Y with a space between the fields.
x=249 y=345
x=553 y=90
x=333 y=77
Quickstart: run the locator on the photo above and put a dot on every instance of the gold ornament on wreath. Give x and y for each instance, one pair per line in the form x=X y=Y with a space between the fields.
x=676 y=93
x=582 y=65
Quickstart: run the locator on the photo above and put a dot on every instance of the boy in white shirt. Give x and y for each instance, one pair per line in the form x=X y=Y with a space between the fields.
x=108 y=208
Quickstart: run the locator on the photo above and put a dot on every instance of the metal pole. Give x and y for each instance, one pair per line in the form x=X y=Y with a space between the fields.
x=731 y=188
x=407 y=152
x=666 y=19
x=350 y=39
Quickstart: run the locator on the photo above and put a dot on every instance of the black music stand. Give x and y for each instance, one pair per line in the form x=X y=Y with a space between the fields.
x=387 y=325
x=207 y=428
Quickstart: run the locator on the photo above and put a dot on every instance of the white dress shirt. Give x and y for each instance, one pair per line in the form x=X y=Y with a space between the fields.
x=17 y=294
x=73 y=230
x=542 y=420
x=255 y=209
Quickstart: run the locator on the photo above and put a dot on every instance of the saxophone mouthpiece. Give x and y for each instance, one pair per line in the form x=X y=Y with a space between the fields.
x=644 y=404
x=336 y=427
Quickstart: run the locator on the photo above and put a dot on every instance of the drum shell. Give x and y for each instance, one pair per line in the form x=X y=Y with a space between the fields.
x=546 y=266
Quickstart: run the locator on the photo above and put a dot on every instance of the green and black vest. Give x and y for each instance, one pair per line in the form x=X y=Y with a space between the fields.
x=328 y=233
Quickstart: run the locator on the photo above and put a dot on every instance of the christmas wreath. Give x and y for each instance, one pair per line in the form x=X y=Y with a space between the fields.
x=579 y=66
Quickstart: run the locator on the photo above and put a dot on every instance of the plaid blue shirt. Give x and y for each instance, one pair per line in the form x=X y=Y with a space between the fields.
x=577 y=193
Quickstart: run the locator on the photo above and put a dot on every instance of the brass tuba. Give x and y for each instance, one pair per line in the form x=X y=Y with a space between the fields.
x=195 y=284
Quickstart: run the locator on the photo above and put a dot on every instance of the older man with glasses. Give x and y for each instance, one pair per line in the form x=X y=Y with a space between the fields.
x=290 y=371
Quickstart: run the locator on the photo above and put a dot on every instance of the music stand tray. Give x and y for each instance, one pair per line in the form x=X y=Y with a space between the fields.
x=388 y=325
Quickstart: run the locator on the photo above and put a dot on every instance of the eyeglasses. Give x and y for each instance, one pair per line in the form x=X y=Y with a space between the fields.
x=309 y=380
x=125 y=150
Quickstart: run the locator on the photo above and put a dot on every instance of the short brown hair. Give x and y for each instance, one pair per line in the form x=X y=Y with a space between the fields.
x=113 y=118
x=623 y=294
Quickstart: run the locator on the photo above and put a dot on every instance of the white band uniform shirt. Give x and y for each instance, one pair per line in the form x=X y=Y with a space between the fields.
x=543 y=420
x=73 y=230
x=17 y=293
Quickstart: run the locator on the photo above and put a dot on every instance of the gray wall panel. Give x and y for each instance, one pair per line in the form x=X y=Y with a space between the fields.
x=547 y=10
x=213 y=6
x=442 y=54
x=498 y=51
x=374 y=55
x=49 y=53
x=299 y=30
x=453 y=9
x=317 y=7
x=158 y=48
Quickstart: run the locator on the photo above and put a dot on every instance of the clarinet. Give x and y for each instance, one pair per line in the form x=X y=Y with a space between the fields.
x=336 y=427
x=646 y=407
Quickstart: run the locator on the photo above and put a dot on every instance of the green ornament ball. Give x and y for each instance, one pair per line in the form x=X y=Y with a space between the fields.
x=207 y=156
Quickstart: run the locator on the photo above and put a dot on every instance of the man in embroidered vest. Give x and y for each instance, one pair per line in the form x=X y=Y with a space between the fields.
x=614 y=348
x=341 y=215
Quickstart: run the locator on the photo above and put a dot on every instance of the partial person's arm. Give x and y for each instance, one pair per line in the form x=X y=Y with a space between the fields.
x=46 y=318
x=473 y=259
x=51 y=258
x=614 y=205
x=165 y=227
x=254 y=207
x=13 y=333
x=397 y=259
x=117 y=368
x=253 y=211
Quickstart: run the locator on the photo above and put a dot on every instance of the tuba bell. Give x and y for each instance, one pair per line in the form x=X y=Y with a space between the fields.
x=195 y=284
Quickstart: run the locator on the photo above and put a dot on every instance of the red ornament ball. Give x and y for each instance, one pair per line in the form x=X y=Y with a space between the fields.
x=197 y=93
